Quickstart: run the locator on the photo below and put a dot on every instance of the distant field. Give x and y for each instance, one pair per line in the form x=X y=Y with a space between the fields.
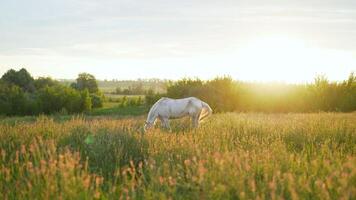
x=231 y=156
x=112 y=108
x=108 y=86
x=117 y=96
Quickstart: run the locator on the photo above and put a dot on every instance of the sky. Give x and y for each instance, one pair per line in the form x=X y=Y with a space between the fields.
x=254 y=40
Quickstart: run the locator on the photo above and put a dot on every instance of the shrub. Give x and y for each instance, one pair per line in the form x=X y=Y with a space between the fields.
x=12 y=100
x=97 y=100
x=152 y=97
x=20 y=94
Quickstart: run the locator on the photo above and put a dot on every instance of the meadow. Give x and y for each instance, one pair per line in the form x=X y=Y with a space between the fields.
x=230 y=156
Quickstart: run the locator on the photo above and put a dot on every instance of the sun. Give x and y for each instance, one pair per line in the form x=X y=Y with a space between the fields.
x=281 y=58
x=275 y=58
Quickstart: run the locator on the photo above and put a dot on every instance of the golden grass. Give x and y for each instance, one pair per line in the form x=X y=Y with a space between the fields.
x=231 y=156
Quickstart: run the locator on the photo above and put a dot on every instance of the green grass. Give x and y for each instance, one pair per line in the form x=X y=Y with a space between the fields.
x=115 y=109
x=230 y=156
x=109 y=109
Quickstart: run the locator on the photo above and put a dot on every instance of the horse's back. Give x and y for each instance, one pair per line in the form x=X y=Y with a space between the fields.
x=185 y=100
x=177 y=107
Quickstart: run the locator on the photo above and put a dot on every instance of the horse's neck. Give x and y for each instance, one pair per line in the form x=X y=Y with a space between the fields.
x=152 y=115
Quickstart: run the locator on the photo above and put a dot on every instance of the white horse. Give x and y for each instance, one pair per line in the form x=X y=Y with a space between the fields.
x=166 y=108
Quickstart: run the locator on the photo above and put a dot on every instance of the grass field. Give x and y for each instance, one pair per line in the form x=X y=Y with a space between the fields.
x=230 y=156
x=113 y=109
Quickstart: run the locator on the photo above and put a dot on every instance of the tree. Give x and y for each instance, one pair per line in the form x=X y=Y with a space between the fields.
x=21 y=78
x=86 y=81
x=12 y=99
x=118 y=90
x=97 y=100
x=57 y=98
x=86 y=101
x=183 y=88
x=20 y=94
x=151 y=97
x=42 y=82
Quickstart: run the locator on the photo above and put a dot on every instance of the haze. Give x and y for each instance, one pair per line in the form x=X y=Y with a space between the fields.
x=290 y=41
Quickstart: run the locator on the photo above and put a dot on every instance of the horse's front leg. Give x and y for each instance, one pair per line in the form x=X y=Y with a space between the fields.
x=165 y=123
x=195 y=121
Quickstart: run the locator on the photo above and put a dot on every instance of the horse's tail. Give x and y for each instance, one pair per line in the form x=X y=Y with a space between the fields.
x=206 y=111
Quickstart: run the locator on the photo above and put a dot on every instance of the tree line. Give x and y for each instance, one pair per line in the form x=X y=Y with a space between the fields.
x=21 y=94
x=224 y=95
x=136 y=89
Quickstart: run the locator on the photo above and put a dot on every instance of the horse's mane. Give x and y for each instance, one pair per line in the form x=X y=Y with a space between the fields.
x=151 y=113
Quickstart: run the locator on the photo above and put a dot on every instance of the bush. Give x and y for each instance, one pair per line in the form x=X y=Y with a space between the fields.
x=20 y=94
x=86 y=104
x=55 y=98
x=97 y=100
x=12 y=100
x=151 y=97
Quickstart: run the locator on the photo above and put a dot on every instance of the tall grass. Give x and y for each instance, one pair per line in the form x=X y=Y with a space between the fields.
x=231 y=156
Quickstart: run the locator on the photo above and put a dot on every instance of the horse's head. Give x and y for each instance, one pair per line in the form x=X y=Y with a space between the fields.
x=147 y=126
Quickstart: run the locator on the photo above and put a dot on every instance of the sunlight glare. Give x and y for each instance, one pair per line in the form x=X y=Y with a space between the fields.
x=285 y=59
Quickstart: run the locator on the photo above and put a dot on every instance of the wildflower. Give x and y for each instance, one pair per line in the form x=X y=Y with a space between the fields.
x=187 y=162
x=86 y=182
x=171 y=181
x=97 y=195
x=23 y=149
x=98 y=180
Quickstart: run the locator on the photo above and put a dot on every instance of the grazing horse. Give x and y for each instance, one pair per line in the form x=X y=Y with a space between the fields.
x=166 y=108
